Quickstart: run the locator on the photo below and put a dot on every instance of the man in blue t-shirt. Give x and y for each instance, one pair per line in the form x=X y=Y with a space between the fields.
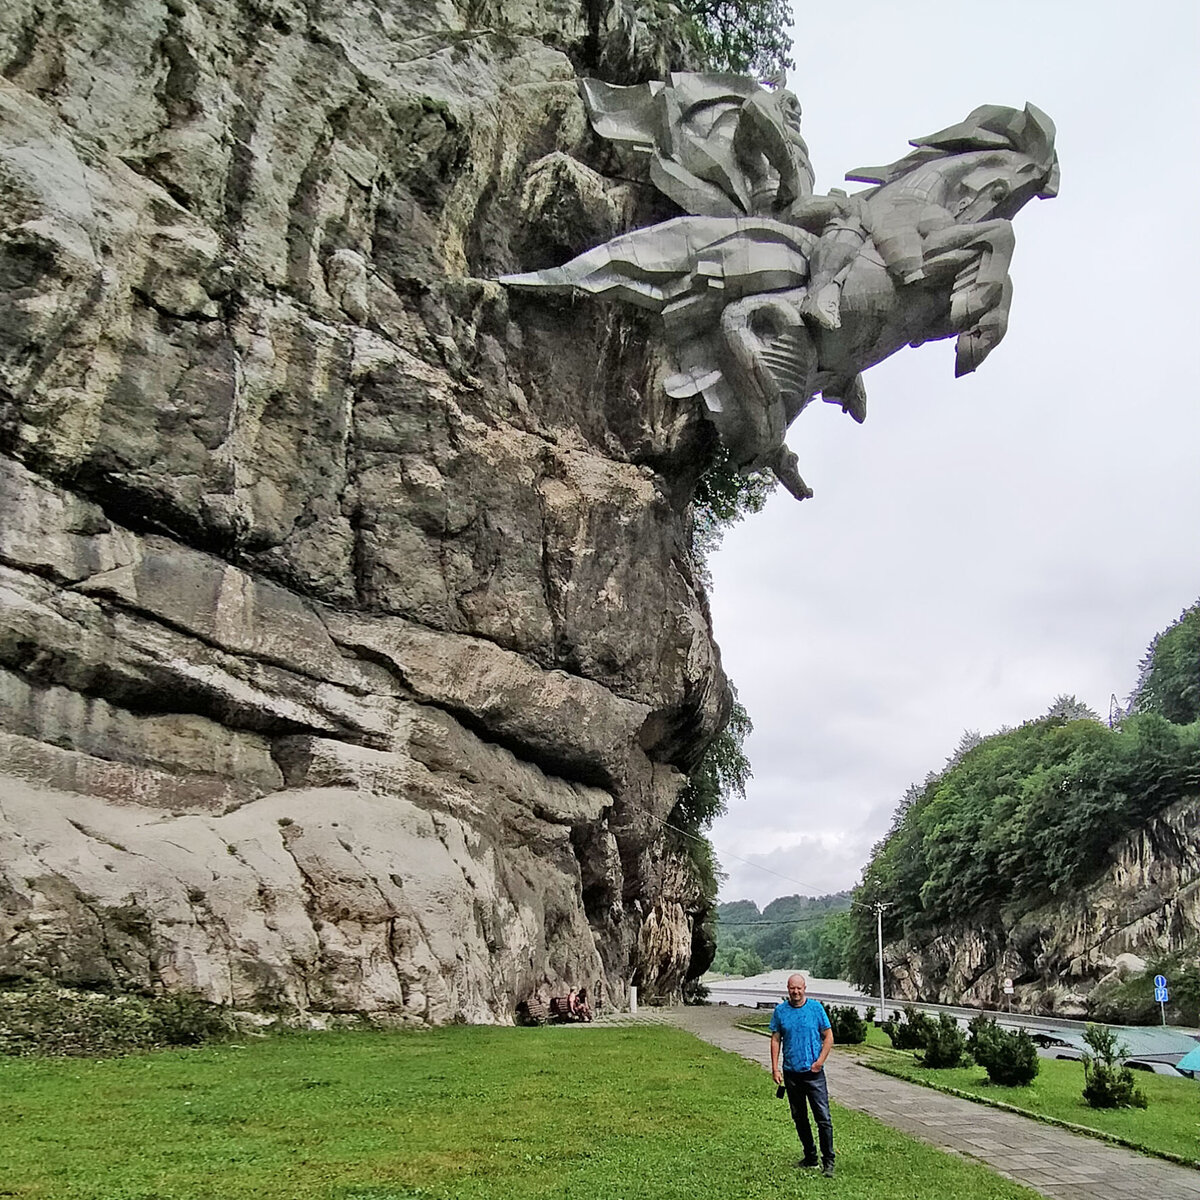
x=801 y=1027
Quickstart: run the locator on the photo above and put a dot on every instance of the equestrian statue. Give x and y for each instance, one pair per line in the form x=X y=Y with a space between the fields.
x=770 y=295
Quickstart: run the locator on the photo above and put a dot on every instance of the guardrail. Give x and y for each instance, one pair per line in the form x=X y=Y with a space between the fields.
x=1016 y=1020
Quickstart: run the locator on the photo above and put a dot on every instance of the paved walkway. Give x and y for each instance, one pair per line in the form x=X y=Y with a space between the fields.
x=1057 y=1163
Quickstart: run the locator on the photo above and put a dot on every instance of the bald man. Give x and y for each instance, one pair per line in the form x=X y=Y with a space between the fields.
x=800 y=1027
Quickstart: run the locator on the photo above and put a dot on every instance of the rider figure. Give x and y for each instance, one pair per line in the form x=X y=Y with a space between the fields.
x=843 y=225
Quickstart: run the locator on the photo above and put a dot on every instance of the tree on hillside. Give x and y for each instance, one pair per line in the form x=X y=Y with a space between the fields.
x=649 y=38
x=743 y=35
x=1067 y=708
x=969 y=740
x=791 y=931
x=1027 y=815
x=722 y=773
x=738 y=912
x=1169 y=677
x=737 y=960
x=822 y=948
x=1030 y=813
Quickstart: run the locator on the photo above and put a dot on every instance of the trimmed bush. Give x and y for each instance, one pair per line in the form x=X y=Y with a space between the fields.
x=981 y=1036
x=1107 y=1082
x=1009 y=1056
x=44 y=1019
x=849 y=1029
x=945 y=1044
x=909 y=1034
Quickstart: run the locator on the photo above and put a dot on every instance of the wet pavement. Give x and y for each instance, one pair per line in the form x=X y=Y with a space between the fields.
x=1055 y=1162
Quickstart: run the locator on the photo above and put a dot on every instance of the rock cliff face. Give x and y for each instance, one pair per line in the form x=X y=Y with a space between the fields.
x=351 y=653
x=1144 y=905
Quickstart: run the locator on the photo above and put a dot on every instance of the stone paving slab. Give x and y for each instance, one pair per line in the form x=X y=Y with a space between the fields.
x=1055 y=1162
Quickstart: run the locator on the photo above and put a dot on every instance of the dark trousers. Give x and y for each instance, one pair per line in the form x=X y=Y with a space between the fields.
x=806 y=1088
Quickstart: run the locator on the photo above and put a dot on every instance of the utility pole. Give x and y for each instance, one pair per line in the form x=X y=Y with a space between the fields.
x=879 y=906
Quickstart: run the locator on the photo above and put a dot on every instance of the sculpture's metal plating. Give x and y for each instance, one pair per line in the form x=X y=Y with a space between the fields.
x=771 y=295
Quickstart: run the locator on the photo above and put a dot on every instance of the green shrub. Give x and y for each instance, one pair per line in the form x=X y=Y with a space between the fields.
x=849 y=1029
x=1107 y=1082
x=909 y=1034
x=945 y=1044
x=45 y=1019
x=981 y=1036
x=1009 y=1056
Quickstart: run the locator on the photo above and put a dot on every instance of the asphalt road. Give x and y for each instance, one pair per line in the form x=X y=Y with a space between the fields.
x=737 y=993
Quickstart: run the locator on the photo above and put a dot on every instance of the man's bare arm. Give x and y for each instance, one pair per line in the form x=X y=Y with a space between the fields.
x=826 y=1046
x=776 y=1042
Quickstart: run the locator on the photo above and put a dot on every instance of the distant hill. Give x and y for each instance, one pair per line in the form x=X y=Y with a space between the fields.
x=791 y=931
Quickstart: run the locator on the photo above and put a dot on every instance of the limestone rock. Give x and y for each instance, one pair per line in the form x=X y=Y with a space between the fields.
x=351 y=650
x=1145 y=903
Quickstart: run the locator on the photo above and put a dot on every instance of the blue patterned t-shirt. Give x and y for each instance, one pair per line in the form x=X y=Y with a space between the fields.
x=802 y=1029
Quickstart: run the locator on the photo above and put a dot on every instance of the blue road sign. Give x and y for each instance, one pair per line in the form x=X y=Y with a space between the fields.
x=1160 y=994
x=1160 y=981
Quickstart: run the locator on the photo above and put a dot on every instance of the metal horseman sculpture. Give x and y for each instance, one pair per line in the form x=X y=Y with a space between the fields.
x=770 y=295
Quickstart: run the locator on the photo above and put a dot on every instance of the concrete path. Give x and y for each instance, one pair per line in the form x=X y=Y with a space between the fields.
x=1057 y=1163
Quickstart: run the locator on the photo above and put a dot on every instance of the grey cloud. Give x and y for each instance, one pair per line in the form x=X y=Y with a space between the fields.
x=979 y=545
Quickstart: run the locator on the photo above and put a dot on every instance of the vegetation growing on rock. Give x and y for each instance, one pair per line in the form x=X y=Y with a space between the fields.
x=1029 y=813
x=722 y=773
x=742 y=35
x=647 y=39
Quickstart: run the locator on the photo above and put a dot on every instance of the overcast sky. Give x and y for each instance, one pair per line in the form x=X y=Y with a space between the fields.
x=979 y=545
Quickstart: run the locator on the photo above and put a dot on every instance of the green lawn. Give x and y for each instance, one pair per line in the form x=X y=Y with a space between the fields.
x=509 y=1114
x=1170 y=1125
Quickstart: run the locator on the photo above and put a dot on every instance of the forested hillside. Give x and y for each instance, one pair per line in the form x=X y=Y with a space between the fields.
x=1028 y=817
x=793 y=931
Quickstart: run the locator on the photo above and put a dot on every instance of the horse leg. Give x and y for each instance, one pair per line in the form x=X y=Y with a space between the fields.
x=978 y=255
x=977 y=258
x=768 y=360
x=975 y=344
x=851 y=393
x=786 y=469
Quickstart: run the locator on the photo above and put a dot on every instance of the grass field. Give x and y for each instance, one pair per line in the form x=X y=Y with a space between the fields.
x=470 y=1113
x=1170 y=1125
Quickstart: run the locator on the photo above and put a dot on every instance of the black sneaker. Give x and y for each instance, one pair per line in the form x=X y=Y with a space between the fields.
x=809 y=1162
x=827 y=1170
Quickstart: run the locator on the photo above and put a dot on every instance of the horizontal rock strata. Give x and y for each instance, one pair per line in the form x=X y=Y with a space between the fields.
x=351 y=654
